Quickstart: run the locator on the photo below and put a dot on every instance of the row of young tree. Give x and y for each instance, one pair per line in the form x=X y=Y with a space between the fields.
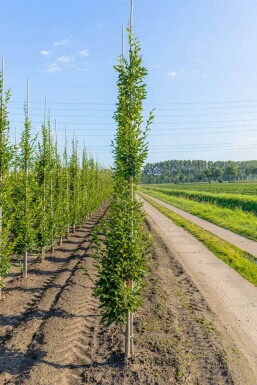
x=43 y=195
x=179 y=171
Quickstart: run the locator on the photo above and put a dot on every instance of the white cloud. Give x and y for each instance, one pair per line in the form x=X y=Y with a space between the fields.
x=53 y=68
x=84 y=53
x=44 y=52
x=62 y=42
x=172 y=74
x=65 y=59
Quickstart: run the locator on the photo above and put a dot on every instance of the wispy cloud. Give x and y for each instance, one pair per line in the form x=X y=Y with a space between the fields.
x=62 y=42
x=65 y=59
x=53 y=68
x=44 y=52
x=173 y=74
x=84 y=52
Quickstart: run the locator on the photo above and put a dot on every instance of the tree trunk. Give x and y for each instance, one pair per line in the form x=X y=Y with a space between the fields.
x=128 y=338
x=25 y=265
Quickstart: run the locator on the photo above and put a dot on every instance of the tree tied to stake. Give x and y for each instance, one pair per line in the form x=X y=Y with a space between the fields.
x=122 y=254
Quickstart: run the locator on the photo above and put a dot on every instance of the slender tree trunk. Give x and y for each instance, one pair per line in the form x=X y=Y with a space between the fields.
x=25 y=265
x=128 y=338
x=25 y=260
x=131 y=284
x=1 y=221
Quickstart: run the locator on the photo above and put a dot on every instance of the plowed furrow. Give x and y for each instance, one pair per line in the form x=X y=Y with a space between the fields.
x=53 y=306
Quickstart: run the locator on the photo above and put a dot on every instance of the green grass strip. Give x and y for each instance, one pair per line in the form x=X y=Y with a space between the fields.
x=239 y=260
x=246 y=203
x=235 y=220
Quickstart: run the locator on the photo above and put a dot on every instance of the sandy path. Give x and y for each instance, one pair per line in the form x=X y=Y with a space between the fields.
x=235 y=239
x=232 y=298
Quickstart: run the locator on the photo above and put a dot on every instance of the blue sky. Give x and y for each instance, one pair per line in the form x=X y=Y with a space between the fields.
x=202 y=63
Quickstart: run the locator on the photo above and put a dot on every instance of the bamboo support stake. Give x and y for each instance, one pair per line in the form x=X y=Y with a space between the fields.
x=25 y=260
x=44 y=186
x=131 y=320
x=67 y=184
x=51 y=182
x=131 y=316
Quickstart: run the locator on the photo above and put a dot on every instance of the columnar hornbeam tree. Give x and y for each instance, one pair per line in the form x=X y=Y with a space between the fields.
x=60 y=213
x=66 y=186
x=6 y=154
x=74 y=184
x=122 y=262
x=24 y=229
x=43 y=181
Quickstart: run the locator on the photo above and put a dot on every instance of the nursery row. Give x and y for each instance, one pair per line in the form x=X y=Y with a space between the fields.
x=42 y=193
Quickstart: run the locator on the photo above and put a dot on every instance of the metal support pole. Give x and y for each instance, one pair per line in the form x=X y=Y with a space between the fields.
x=131 y=15
x=27 y=110
x=123 y=44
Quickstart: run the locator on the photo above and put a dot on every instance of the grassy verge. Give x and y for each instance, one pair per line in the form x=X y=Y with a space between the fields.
x=230 y=201
x=235 y=220
x=236 y=258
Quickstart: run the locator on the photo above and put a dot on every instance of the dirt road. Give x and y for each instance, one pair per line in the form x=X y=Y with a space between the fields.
x=243 y=243
x=51 y=333
x=232 y=298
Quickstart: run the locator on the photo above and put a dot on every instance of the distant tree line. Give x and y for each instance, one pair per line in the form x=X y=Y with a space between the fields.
x=180 y=171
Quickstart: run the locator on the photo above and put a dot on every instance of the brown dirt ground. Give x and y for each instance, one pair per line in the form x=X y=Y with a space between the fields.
x=51 y=332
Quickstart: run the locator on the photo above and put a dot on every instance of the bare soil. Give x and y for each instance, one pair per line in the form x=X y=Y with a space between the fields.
x=51 y=332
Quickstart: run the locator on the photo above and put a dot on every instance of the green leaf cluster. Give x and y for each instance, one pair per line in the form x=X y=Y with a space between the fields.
x=42 y=192
x=122 y=255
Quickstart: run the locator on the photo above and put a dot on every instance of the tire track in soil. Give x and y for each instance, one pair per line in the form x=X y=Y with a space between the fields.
x=19 y=347
x=30 y=291
x=175 y=340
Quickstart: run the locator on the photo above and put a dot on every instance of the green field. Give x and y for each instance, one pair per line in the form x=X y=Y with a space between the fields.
x=232 y=211
x=247 y=203
x=244 y=188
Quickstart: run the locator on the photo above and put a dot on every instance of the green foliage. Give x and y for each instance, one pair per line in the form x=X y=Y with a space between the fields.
x=176 y=171
x=121 y=255
x=6 y=155
x=130 y=148
x=24 y=193
x=42 y=195
x=121 y=258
